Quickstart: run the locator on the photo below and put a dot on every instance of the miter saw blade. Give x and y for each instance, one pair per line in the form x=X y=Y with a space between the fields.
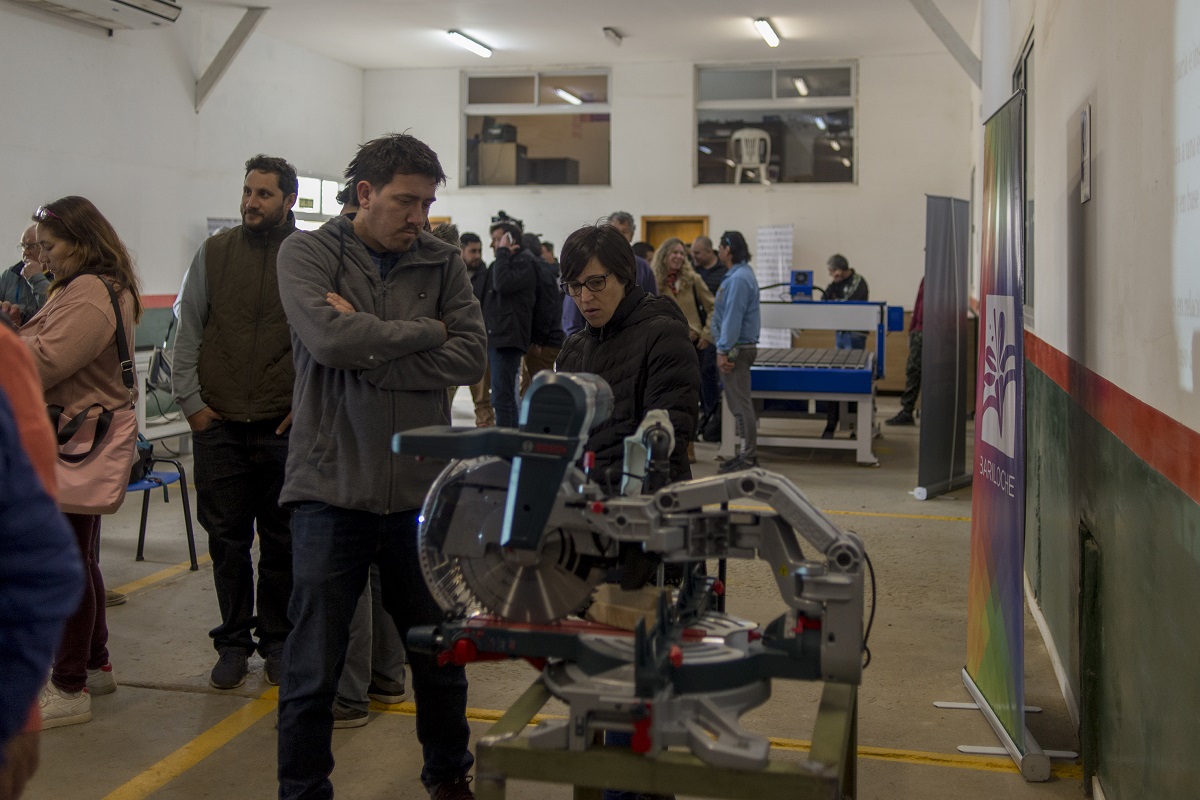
x=468 y=571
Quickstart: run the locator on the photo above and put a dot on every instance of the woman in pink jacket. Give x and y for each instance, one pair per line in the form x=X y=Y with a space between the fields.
x=73 y=342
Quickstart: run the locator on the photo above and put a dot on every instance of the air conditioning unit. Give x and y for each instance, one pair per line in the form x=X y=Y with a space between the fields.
x=111 y=14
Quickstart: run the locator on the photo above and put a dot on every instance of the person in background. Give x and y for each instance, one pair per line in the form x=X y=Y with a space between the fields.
x=912 y=367
x=847 y=286
x=708 y=266
x=383 y=322
x=24 y=285
x=548 y=255
x=735 y=328
x=74 y=346
x=481 y=392
x=712 y=272
x=572 y=320
x=233 y=379
x=509 y=293
x=678 y=281
x=546 y=333
x=41 y=573
x=644 y=251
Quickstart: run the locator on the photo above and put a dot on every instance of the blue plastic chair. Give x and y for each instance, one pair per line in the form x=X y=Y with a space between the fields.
x=158 y=479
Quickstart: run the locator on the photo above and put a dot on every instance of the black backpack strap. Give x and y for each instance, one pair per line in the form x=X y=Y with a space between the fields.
x=127 y=374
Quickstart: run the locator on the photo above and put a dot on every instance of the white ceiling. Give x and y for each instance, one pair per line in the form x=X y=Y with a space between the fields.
x=382 y=34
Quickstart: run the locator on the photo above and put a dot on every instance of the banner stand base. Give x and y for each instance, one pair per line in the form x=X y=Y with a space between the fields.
x=1034 y=764
x=943 y=487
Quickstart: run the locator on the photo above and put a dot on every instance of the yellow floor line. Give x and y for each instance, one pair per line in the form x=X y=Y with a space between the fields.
x=161 y=575
x=168 y=769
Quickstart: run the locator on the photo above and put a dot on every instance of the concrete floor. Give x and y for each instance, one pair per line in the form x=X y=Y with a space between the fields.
x=166 y=734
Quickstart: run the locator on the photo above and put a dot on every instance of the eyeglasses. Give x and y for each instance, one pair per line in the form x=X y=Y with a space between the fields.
x=594 y=284
x=43 y=213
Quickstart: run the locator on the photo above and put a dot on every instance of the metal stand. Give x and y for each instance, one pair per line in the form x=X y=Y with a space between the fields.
x=829 y=773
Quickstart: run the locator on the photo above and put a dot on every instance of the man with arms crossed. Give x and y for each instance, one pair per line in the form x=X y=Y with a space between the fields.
x=383 y=323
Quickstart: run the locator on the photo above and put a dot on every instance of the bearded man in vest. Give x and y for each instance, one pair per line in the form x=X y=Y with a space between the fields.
x=233 y=377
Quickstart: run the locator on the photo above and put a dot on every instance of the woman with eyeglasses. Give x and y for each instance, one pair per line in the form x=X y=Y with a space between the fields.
x=73 y=342
x=637 y=342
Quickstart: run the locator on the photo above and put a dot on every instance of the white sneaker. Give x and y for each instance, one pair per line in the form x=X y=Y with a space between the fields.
x=101 y=681
x=61 y=708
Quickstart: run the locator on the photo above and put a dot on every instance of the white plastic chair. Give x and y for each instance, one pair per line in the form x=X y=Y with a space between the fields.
x=751 y=150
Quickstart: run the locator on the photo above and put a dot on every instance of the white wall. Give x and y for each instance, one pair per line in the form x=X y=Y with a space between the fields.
x=1109 y=274
x=913 y=120
x=112 y=119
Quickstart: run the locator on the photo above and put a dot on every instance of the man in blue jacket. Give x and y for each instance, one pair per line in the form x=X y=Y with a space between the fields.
x=735 y=328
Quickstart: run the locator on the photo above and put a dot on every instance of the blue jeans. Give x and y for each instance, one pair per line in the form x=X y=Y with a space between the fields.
x=505 y=364
x=333 y=549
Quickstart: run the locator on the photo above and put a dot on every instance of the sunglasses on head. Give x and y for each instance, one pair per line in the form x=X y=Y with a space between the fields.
x=44 y=213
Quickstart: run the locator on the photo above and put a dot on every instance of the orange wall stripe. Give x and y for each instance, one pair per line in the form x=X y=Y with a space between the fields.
x=158 y=300
x=1167 y=445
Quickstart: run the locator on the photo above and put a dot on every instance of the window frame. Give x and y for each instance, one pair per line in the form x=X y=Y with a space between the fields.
x=826 y=102
x=533 y=108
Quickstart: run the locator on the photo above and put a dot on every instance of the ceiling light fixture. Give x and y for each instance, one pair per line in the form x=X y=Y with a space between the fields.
x=846 y=163
x=467 y=43
x=801 y=87
x=706 y=150
x=820 y=123
x=565 y=95
x=767 y=32
x=835 y=145
x=613 y=35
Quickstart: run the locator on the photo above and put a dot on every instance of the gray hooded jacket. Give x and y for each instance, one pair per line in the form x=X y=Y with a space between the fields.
x=385 y=368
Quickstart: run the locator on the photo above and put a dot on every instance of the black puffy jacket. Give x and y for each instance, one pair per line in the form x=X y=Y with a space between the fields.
x=647 y=358
x=507 y=295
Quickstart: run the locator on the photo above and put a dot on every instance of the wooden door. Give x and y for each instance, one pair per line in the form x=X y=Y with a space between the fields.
x=657 y=230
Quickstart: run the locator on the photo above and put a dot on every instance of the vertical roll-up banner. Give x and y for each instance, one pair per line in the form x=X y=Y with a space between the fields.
x=942 y=465
x=995 y=669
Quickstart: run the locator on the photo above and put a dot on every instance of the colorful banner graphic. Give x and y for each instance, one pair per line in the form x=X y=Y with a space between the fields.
x=995 y=621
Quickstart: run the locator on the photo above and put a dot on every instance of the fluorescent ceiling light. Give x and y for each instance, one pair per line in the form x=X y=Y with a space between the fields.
x=565 y=95
x=835 y=145
x=820 y=123
x=706 y=150
x=801 y=87
x=467 y=43
x=767 y=32
x=846 y=163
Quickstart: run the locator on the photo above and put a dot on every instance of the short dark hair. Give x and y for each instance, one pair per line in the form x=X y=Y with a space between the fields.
x=737 y=246
x=378 y=161
x=509 y=226
x=548 y=245
x=837 y=261
x=604 y=243
x=532 y=243
x=643 y=249
x=346 y=195
x=284 y=172
x=470 y=238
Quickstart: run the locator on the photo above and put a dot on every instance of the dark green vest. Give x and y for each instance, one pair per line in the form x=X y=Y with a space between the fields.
x=246 y=371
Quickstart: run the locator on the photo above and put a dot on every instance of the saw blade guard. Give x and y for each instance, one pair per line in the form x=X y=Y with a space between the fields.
x=469 y=570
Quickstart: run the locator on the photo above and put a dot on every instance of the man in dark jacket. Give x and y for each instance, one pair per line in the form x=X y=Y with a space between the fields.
x=481 y=392
x=233 y=376
x=508 y=295
x=383 y=323
x=847 y=286
x=24 y=285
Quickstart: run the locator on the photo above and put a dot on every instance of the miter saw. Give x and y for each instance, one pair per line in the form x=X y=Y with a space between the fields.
x=515 y=536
